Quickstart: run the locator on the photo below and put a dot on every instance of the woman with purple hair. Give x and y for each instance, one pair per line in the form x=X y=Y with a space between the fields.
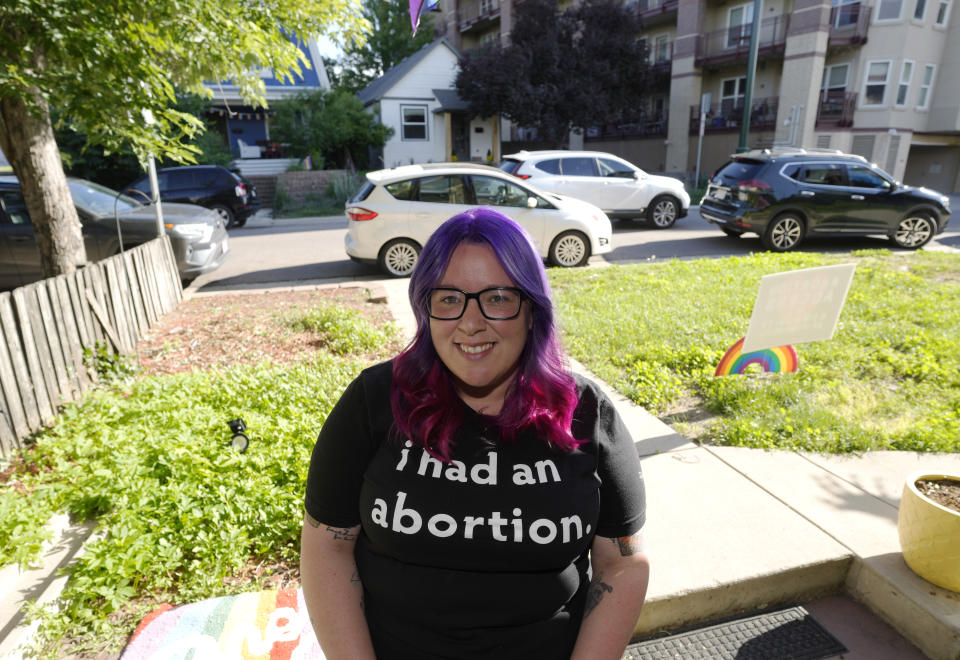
x=471 y=498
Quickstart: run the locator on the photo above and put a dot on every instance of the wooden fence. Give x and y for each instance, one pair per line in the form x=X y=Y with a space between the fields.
x=46 y=326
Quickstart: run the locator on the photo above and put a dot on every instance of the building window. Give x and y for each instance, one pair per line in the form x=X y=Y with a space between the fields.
x=889 y=10
x=943 y=13
x=413 y=122
x=732 y=92
x=903 y=89
x=662 y=49
x=919 y=10
x=835 y=77
x=739 y=25
x=875 y=86
x=846 y=12
x=923 y=100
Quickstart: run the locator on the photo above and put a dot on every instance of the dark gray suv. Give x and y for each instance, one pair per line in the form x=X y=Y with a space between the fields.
x=785 y=197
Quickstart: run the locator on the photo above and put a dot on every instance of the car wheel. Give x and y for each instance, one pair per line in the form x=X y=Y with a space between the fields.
x=914 y=231
x=569 y=249
x=225 y=214
x=783 y=233
x=398 y=257
x=731 y=233
x=663 y=212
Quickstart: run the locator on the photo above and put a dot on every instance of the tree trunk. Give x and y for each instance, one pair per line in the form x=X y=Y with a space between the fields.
x=26 y=137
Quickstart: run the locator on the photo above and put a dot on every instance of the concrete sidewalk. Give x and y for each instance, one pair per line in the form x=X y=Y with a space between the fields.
x=733 y=530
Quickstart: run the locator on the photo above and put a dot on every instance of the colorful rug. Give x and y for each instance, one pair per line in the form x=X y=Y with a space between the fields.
x=267 y=625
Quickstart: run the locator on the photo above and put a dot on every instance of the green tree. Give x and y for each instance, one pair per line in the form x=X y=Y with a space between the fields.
x=389 y=42
x=115 y=169
x=332 y=125
x=561 y=69
x=112 y=68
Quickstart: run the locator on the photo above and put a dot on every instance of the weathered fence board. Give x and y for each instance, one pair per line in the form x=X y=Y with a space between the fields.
x=47 y=327
x=24 y=385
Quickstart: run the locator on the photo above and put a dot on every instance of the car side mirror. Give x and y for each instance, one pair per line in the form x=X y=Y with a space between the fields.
x=531 y=202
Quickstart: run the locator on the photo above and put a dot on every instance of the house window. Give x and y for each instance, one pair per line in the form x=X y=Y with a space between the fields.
x=739 y=25
x=644 y=45
x=923 y=100
x=943 y=13
x=919 y=10
x=903 y=89
x=413 y=122
x=889 y=10
x=875 y=86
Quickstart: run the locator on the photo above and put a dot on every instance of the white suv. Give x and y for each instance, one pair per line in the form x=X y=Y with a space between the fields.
x=611 y=183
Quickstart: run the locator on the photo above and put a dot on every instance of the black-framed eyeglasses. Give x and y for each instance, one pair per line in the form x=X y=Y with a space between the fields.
x=496 y=304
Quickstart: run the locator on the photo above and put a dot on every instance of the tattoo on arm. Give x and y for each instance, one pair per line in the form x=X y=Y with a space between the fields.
x=342 y=533
x=595 y=593
x=629 y=545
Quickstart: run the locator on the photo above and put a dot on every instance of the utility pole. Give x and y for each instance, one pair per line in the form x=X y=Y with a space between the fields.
x=751 y=74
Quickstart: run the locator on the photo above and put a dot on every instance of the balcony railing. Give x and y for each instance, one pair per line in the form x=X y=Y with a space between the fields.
x=476 y=12
x=727 y=115
x=836 y=108
x=652 y=12
x=848 y=25
x=652 y=126
x=732 y=44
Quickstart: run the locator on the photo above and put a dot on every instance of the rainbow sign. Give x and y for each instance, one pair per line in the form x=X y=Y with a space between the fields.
x=266 y=625
x=778 y=359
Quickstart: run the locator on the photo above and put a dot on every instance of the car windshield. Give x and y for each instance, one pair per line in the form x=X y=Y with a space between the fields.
x=99 y=200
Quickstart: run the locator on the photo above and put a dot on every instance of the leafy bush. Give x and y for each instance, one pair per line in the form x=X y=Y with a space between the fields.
x=179 y=513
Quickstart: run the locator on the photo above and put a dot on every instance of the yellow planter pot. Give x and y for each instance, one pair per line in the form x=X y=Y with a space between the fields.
x=930 y=534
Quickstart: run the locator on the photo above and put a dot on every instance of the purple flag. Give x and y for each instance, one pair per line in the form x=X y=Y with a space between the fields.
x=417 y=7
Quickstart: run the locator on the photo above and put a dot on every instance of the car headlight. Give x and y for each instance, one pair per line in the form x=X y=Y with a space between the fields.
x=196 y=231
x=946 y=202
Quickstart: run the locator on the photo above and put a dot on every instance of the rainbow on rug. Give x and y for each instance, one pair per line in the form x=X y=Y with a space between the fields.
x=266 y=625
x=782 y=359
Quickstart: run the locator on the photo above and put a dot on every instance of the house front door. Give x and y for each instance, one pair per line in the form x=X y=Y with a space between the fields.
x=460 y=137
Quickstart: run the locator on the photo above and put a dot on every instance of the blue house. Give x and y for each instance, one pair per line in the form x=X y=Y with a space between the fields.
x=247 y=129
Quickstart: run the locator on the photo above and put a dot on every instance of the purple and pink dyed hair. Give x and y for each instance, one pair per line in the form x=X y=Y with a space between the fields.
x=426 y=408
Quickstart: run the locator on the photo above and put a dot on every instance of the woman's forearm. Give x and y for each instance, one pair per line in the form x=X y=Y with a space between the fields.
x=621 y=572
x=333 y=592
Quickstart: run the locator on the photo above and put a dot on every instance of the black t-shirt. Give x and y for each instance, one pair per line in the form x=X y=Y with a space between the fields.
x=485 y=556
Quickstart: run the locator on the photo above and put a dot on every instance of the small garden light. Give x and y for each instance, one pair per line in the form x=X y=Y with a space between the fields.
x=239 y=441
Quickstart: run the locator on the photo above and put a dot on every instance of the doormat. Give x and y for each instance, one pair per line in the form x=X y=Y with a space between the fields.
x=790 y=634
x=265 y=625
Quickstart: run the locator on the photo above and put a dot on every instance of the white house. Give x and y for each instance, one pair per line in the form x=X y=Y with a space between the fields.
x=418 y=99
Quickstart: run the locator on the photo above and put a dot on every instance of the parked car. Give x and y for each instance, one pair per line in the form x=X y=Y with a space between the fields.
x=197 y=235
x=787 y=196
x=619 y=188
x=231 y=195
x=395 y=211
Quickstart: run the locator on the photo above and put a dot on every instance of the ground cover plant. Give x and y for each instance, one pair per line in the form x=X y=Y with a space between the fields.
x=889 y=379
x=179 y=515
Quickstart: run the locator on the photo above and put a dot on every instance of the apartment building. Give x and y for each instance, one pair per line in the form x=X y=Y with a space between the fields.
x=877 y=78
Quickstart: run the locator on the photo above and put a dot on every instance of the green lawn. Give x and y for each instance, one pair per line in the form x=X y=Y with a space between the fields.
x=889 y=378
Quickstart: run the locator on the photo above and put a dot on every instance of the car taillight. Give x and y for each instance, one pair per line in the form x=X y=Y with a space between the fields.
x=753 y=185
x=241 y=190
x=357 y=213
x=522 y=176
